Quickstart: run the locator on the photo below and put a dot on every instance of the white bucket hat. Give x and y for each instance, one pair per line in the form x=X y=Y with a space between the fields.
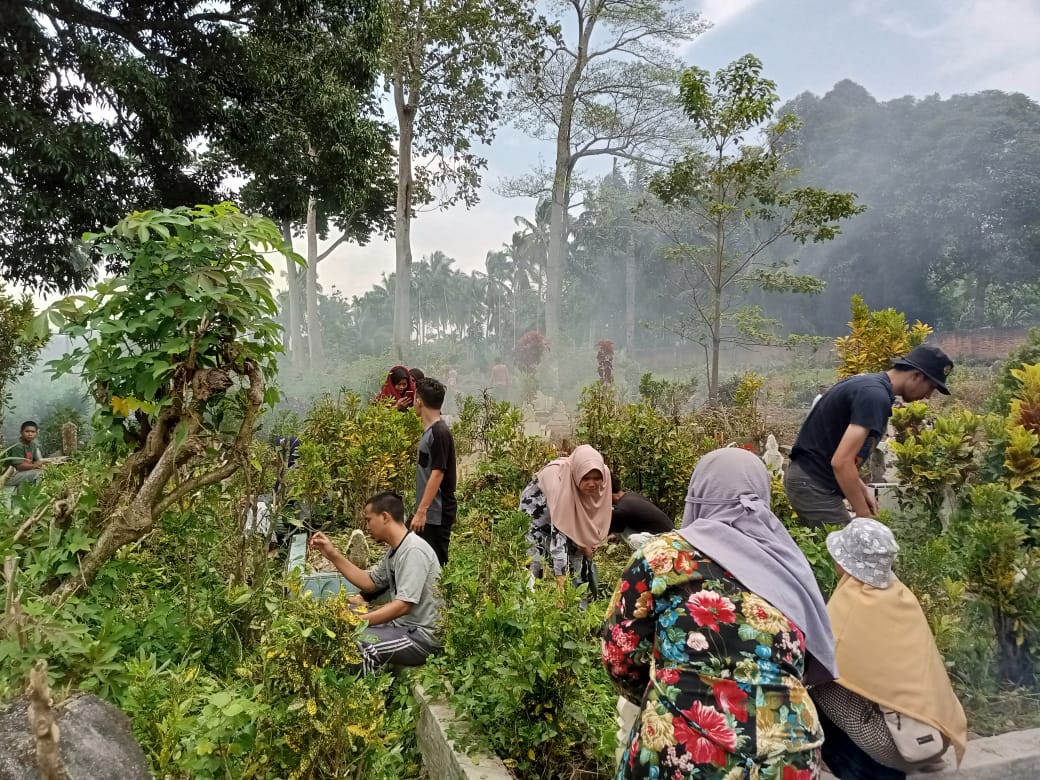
x=865 y=549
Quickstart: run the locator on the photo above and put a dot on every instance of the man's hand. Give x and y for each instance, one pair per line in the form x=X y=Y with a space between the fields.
x=418 y=521
x=871 y=499
x=588 y=552
x=323 y=545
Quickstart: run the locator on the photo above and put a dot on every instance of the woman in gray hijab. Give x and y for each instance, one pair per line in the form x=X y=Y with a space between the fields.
x=715 y=631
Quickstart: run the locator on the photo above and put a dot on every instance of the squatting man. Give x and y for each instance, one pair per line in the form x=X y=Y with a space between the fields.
x=405 y=630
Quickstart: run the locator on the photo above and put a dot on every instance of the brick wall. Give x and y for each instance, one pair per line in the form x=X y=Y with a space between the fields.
x=979 y=344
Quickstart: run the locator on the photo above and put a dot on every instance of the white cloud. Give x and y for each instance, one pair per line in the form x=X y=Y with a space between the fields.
x=722 y=12
x=991 y=41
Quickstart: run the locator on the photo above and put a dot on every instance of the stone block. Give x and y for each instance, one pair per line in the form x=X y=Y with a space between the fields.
x=439 y=756
x=1011 y=756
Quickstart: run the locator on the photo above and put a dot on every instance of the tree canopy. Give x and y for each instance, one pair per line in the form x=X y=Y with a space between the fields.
x=951 y=234
x=106 y=107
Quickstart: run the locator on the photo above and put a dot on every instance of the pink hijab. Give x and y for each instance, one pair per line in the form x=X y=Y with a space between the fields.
x=585 y=520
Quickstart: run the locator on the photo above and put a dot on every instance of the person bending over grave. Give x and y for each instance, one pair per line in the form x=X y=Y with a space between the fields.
x=714 y=632
x=635 y=518
x=570 y=514
x=26 y=457
x=404 y=631
x=845 y=426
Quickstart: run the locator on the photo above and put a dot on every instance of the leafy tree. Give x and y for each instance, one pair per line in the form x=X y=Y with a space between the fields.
x=104 y=106
x=317 y=157
x=177 y=351
x=609 y=90
x=733 y=201
x=444 y=62
x=18 y=352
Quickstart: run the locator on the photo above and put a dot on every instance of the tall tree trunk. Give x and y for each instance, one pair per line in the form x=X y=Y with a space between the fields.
x=294 y=333
x=403 y=219
x=316 y=349
x=979 y=306
x=630 y=293
x=716 y=314
x=557 y=242
x=557 y=249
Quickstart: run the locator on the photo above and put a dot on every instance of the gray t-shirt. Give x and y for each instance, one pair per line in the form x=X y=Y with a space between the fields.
x=411 y=572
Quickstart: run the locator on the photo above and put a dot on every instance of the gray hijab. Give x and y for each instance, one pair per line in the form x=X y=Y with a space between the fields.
x=727 y=517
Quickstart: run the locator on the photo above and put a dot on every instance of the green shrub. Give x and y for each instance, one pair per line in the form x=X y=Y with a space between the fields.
x=522 y=665
x=351 y=450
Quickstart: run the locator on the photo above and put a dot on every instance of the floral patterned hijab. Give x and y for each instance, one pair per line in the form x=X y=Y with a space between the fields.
x=727 y=517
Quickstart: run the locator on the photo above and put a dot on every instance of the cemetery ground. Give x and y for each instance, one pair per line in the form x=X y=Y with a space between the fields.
x=196 y=634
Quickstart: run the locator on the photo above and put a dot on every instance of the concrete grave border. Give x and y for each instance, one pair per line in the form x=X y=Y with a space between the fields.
x=1011 y=756
x=439 y=756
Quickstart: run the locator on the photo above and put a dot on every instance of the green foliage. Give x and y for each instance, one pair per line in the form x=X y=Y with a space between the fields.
x=1002 y=572
x=651 y=453
x=351 y=450
x=250 y=82
x=962 y=166
x=934 y=460
x=194 y=294
x=18 y=350
x=1006 y=384
x=875 y=337
x=672 y=398
x=220 y=678
x=523 y=664
x=737 y=200
x=510 y=459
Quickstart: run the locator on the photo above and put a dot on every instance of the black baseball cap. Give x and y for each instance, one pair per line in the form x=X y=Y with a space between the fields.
x=930 y=361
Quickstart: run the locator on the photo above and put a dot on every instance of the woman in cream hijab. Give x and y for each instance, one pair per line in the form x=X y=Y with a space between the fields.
x=569 y=504
x=890 y=670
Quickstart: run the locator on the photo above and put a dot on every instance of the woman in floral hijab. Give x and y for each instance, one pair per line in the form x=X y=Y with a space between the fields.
x=716 y=663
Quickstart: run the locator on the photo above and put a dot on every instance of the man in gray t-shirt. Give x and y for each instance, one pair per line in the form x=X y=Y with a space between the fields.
x=404 y=631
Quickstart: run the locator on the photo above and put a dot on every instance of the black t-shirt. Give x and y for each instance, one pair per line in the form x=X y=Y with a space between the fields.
x=864 y=400
x=437 y=453
x=637 y=513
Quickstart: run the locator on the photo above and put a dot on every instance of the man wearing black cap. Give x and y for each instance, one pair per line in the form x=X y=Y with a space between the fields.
x=845 y=426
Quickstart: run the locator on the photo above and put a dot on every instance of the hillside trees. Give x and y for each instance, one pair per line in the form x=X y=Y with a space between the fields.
x=733 y=201
x=953 y=199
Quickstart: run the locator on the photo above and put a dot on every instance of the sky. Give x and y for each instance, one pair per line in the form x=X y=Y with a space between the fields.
x=891 y=47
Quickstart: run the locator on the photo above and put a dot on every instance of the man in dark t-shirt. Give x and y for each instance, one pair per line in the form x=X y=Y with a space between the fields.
x=635 y=513
x=844 y=427
x=435 y=474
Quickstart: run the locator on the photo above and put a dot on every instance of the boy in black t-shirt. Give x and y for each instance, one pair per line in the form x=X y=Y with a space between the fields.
x=435 y=476
x=844 y=427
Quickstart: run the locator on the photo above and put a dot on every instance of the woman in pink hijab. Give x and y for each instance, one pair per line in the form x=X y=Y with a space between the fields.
x=569 y=504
